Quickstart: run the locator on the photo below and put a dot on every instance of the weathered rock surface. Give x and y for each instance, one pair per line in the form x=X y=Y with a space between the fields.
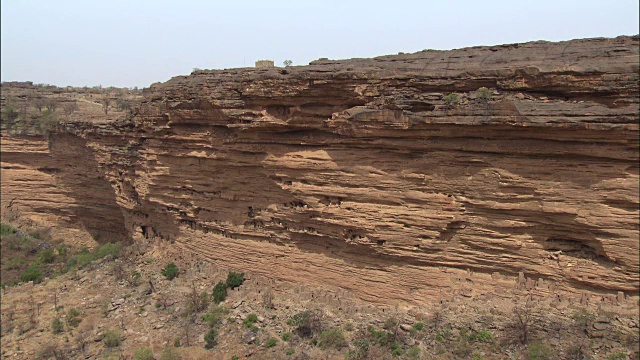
x=355 y=173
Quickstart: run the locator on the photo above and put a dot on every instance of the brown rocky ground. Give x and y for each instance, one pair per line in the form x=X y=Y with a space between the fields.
x=151 y=314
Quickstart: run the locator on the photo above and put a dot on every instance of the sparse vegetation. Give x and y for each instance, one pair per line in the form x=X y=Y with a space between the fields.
x=250 y=320
x=112 y=338
x=290 y=352
x=306 y=323
x=32 y=273
x=331 y=338
x=234 y=280
x=484 y=95
x=145 y=353
x=538 y=351
x=520 y=325
x=452 y=100
x=47 y=256
x=85 y=257
x=73 y=317
x=170 y=271
x=618 y=356
x=481 y=336
x=271 y=342
x=583 y=319
x=219 y=292
x=286 y=336
x=413 y=352
x=215 y=315
x=210 y=338
x=56 y=325
x=169 y=353
x=70 y=108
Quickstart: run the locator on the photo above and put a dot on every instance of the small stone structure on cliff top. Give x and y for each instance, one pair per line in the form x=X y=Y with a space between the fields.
x=262 y=64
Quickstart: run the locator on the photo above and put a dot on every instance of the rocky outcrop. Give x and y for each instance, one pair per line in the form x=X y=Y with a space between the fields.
x=360 y=174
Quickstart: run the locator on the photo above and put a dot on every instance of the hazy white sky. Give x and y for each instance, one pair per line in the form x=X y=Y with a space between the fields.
x=138 y=42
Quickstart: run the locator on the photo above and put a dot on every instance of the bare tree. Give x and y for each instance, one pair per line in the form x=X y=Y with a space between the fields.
x=106 y=105
x=83 y=333
x=39 y=103
x=521 y=323
x=70 y=108
x=187 y=330
x=267 y=298
x=51 y=104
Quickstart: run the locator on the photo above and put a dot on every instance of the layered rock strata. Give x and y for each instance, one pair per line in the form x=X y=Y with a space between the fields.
x=363 y=174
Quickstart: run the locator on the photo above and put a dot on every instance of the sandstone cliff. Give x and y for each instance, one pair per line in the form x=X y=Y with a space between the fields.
x=357 y=174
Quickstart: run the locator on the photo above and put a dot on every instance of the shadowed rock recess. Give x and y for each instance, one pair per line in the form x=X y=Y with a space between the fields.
x=356 y=174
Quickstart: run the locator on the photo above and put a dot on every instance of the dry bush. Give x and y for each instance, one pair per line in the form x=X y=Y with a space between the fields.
x=520 y=325
x=307 y=323
x=267 y=298
x=83 y=334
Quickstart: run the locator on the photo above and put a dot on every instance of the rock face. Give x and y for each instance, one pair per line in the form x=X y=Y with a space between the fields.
x=359 y=174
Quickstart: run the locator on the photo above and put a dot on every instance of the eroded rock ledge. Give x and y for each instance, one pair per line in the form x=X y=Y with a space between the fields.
x=355 y=173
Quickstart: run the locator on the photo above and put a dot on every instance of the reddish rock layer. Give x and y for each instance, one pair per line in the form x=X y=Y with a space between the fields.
x=356 y=174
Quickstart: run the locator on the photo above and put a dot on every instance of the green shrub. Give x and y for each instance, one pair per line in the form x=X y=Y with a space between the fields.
x=235 y=357
x=14 y=263
x=145 y=353
x=382 y=338
x=73 y=317
x=6 y=229
x=210 y=338
x=108 y=249
x=461 y=349
x=397 y=351
x=481 y=336
x=169 y=353
x=331 y=338
x=170 y=271
x=418 y=326
x=219 y=292
x=538 y=351
x=286 y=336
x=135 y=278
x=250 y=320
x=452 y=100
x=112 y=338
x=271 y=342
x=214 y=316
x=483 y=94
x=290 y=352
x=177 y=342
x=63 y=250
x=413 y=352
x=584 y=319
x=85 y=257
x=390 y=323
x=32 y=273
x=47 y=256
x=57 y=326
x=306 y=323
x=234 y=280
x=618 y=356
